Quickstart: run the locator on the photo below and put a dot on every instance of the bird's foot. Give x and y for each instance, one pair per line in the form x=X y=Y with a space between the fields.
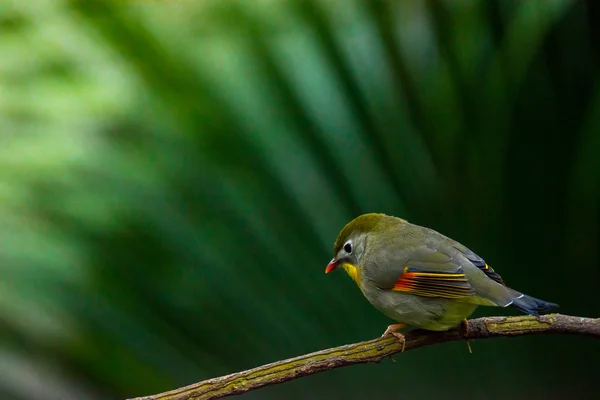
x=400 y=337
x=465 y=325
x=391 y=330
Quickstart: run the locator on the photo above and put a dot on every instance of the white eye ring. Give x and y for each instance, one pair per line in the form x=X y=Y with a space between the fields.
x=348 y=247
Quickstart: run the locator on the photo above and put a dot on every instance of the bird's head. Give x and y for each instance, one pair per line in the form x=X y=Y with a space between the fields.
x=351 y=243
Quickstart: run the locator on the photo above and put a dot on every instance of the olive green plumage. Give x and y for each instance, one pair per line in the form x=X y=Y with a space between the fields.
x=419 y=277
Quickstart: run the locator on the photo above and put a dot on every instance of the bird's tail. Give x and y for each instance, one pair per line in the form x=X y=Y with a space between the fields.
x=531 y=305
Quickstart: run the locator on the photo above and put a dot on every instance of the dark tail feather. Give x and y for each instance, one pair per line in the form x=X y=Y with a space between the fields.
x=531 y=305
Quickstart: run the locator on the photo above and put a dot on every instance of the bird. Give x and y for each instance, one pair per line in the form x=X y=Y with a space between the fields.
x=420 y=278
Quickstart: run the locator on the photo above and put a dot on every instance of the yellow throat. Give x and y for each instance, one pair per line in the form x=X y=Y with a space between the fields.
x=352 y=270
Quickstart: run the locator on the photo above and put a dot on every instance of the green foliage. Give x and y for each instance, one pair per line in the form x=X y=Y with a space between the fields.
x=173 y=176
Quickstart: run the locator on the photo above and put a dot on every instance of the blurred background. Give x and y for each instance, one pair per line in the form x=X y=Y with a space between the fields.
x=173 y=175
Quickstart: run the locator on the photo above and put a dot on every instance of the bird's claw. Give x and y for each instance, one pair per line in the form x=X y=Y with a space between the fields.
x=465 y=325
x=391 y=330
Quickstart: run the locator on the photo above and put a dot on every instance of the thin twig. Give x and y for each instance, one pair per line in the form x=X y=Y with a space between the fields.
x=373 y=351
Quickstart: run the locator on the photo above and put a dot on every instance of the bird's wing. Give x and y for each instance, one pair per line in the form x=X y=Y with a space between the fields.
x=433 y=273
x=451 y=271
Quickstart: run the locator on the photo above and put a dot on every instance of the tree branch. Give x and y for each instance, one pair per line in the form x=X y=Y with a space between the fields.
x=374 y=351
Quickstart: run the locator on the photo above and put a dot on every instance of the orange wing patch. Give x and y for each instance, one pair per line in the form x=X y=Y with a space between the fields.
x=451 y=285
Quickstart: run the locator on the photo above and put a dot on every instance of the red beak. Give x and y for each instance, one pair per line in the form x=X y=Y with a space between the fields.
x=333 y=264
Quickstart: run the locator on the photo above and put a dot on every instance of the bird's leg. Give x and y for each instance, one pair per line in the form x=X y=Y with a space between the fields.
x=391 y=330
x=465 y=325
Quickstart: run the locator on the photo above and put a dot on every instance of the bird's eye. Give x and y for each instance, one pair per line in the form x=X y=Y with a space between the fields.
x=348 y=247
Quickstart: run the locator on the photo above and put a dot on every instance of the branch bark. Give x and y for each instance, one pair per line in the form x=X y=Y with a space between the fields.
x=373 y=351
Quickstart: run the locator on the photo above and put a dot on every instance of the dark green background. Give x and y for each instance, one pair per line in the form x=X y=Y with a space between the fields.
x=173 y=175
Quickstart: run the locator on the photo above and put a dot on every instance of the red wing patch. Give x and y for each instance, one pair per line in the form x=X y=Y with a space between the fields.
x=451 y=285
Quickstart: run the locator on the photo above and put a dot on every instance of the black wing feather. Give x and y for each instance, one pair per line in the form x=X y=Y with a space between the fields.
x=478 y=262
